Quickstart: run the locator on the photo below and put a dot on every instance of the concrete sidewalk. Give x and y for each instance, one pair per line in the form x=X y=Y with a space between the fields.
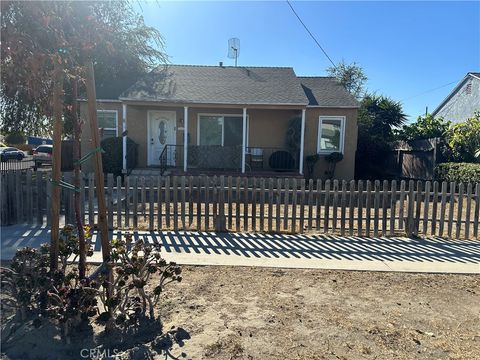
x=287 y=251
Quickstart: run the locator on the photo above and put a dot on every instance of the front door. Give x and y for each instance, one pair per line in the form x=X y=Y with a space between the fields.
x=161 y=132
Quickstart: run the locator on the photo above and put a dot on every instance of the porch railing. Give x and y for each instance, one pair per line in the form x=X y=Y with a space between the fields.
x=216 y=157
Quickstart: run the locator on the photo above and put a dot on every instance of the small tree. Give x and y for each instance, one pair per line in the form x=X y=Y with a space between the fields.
x=464 y=139
x=351 y=76
x=426 y=127
x=378 y=117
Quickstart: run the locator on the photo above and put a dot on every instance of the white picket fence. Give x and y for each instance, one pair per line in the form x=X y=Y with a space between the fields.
x=227 y=203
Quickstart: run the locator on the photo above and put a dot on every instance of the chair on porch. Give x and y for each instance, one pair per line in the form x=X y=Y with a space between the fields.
x=256 y=158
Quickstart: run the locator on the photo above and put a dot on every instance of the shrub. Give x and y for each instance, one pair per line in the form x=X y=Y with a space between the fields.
x=15 y=138
x=112 y=156
x=133 y=298
x=458 y=172
x=464 y=139
x=37 y=294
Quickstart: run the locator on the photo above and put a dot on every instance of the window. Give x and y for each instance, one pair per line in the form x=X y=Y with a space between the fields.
x=107 y=123
x=331 y=133
x=220 y=130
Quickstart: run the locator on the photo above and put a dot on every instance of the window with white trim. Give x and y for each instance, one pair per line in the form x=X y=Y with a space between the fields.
x=224 y=130
x=331 y=134
x=107 y=123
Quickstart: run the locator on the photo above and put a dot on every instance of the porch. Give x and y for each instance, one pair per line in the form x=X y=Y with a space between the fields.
x=222 y=140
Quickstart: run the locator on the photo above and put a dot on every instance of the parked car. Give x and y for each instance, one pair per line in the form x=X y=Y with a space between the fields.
x=11 y=153
x=42 y=155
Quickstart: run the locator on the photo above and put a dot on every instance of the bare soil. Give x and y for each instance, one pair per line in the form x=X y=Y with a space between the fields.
x=263 y=313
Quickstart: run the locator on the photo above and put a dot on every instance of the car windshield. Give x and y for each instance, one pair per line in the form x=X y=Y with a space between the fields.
x=44 y=149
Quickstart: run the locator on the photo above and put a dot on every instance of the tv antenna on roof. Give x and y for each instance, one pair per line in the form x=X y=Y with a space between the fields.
x=234 y=49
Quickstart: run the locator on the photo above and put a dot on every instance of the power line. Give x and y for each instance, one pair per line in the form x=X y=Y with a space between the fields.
x=310 y=33
x=430 y=90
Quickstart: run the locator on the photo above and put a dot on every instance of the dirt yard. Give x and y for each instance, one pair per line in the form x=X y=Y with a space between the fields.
x=262 y=313
x=259 y=313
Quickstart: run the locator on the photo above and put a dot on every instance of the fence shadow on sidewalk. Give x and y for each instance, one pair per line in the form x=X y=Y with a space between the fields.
x=329 y=247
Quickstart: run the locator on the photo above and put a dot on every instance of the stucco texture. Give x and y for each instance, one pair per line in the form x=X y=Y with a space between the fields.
x=267 y=128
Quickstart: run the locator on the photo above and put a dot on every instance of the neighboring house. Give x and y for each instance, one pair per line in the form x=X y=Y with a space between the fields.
x=463 y=101
x=238 y=119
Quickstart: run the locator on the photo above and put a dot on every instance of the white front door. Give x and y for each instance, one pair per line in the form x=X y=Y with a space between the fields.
x=161 y=132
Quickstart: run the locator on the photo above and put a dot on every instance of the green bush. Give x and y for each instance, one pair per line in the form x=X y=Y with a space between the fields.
x=458 y=172
x=15 y=138
x=112 y=156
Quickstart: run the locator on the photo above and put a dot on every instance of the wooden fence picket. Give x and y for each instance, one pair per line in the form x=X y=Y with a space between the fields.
x=255 y=204
x=343 y=207
x=459 y=210
x=360 y=203
x=435 y=194
x=335 y=205
x=326 y=207
x=270 y=204
x=302 y=205
x=401 y=209
x=393 y=207
x=409 y=226
x=119 y=202
x=294 y=205
x=351 y=208
x=443 y=204
x=286 y=203
x=468 y=211
x=151 y=203
x=451 y=208
x=310 y=204
x=318 y=204
x=376 y=205
x=278 y=196
x=135 y=202
x=426 y=207
x=476 y=212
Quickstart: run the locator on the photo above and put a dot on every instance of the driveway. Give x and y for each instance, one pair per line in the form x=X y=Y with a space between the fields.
x=286 y=251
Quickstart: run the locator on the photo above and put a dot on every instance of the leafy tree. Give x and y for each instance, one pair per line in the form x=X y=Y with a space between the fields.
x=378 y=117
x=36 y=34
x=464 y=139
x=351 y=76
x=426 y=127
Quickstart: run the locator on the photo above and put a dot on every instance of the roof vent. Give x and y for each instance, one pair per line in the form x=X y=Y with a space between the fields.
x=220 y=64
x=469 y=88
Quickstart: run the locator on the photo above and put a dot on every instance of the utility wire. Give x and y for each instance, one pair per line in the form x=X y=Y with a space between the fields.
x=310 y=33
x=430 y=90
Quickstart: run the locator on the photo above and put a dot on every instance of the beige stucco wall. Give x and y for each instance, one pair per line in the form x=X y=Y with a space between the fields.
x=345 y=169
x=86 y=140
x=267 y=128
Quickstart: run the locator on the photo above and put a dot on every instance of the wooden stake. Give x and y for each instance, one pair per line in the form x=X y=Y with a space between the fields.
x=56 y=161
x=77 y=130
x=97 y=158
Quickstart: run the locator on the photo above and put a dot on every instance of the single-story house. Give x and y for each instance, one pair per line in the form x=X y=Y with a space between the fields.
x=463 y=101
x=189 y=119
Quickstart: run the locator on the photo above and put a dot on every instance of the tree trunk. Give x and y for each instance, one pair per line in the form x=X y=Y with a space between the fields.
x=97 y=158
x=56 y=161
x=77 y=130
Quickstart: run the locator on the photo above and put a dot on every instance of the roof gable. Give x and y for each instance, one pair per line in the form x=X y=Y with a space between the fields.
x=469 y=75
x=326 y=92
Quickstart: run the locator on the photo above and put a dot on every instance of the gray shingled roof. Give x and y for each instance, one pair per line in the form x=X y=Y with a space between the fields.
x=326 y=91
x=219 y=85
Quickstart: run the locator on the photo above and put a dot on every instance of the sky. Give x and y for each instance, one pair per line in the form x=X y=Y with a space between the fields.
x=413 y=52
